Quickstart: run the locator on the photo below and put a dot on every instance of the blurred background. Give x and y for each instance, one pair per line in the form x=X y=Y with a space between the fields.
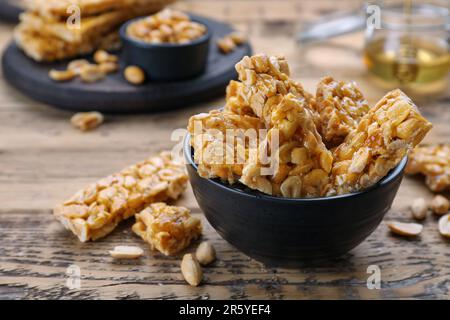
x=405 y=46
x=320 y=37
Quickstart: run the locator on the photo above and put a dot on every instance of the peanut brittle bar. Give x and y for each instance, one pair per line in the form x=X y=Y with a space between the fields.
x=244 y=100
x=95 y=211
x=43 y=48
x=58 y=9
x=167 y=229
x=364 y=143
x=236 y=101
x=214 y=153
x=340 y=106
x=302 y=162
x=265 y=81
x=433 y=161
x=284 y=106
x=382 y=139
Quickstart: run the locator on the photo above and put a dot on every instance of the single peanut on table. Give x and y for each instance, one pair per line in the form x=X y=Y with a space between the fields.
x=419 y=209
x=87 y=120
x=126 y=252
x=444 y=225
x=205 y=253
x=405 y=229
x=191 y=270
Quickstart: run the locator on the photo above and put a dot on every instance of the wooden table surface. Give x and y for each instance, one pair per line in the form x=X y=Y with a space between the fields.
x=43 y=160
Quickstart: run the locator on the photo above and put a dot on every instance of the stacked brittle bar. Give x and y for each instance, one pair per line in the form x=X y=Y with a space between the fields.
x=327 y=144
x=50 y=31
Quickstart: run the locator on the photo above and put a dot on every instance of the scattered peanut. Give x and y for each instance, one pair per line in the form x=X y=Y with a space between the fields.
x=191 y=270
x=91 y=73
x=419 y=209
x=87 y=120
x=444 y=225
x=88 y=72
x=134 y=75
x=238 y=38
x=64 y=75
x=101 y=56
x=77 y=65
x=440 y=204
x=405 y=229
x=126 y=252
x=205 y=253
x=226 y=45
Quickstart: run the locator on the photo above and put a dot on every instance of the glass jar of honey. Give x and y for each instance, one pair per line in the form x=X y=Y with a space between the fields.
x=410 y=48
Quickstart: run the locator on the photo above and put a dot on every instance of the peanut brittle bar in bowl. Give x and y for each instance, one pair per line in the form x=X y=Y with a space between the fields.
x=227 y=164
x=382 y=139
x=339 y=106
x=291 y=232
x=283 y=105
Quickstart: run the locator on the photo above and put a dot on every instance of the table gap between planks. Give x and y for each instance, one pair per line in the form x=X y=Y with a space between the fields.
x=43 y=160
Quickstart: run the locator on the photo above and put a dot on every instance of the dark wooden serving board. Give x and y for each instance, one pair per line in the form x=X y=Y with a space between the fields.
x=10 y=10
x=114 y=94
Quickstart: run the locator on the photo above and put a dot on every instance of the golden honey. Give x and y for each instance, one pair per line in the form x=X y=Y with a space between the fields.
x=418 y=64
x=410 y=50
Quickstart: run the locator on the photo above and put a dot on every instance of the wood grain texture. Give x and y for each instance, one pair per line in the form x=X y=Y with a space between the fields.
x=43 y=160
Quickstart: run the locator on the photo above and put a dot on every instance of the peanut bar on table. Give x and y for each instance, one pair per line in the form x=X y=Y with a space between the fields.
x=168 y=229
x=382 y=139
x=95 y=211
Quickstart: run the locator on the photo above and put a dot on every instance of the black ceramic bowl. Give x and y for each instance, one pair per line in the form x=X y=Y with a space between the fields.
x=292 y=232
x=167 y=61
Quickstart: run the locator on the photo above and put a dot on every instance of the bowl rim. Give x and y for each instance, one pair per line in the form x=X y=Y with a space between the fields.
x=394 y=173
x=146 y=45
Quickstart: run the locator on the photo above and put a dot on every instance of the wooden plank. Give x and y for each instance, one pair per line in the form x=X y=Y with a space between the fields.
x=34 y=268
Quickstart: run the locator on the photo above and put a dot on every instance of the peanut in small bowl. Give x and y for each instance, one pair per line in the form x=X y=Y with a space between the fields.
x=164 y=51
x=292 y=232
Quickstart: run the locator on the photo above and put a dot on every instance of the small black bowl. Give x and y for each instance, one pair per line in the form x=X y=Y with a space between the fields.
x=167 y=61
x=292 y=232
